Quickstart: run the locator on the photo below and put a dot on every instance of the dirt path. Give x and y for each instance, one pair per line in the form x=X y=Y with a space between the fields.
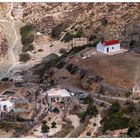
x=13 y=38
x=124 y=99
x=92 y=127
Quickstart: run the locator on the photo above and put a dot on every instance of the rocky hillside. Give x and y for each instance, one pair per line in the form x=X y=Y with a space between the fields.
x=3 y=42
x=93 y=20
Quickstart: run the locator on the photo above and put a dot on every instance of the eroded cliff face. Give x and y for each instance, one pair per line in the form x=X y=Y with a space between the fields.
x=108 y=20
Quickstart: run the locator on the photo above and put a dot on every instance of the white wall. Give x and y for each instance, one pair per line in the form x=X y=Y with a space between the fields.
x=100 y=47
x=8 y=104
x=112 y=48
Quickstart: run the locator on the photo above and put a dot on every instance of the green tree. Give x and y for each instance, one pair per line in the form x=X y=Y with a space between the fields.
x=91 y=110
x=114 y=119
x=28 y=47
x=104 y=21
x=114 y=108
x=127 y=94
x=134 y=128
x=130 y=108
x=88 y=100
x=45 y=128
x=44 y=122
x=26 y=40
x=24 y=57
x=25 y=30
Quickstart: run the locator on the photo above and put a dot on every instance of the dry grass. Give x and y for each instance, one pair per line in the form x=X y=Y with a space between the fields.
x=66 y=129
x=4 y=86
x=117 y=70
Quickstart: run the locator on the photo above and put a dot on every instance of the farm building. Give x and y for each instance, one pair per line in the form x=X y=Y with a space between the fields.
x=79 y=41
x=6 y=104
x=56 y=95
x=108 y=46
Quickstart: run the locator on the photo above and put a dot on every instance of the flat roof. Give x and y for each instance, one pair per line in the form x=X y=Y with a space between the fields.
x=56 y=92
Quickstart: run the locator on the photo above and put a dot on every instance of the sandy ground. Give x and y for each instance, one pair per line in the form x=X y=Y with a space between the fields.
x=4 y=134
x=91 y=128
x=36 y=131
x=75 y=120
x=12 y=29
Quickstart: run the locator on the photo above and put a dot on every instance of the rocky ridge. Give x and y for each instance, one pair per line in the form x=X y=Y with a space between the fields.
x=108 y=20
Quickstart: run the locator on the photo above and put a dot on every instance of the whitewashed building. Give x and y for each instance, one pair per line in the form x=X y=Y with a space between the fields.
x=108 y=46
x=6 y=104
x=56 y=95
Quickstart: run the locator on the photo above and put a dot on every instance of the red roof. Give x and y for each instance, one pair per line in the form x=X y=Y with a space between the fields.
x=111 y=42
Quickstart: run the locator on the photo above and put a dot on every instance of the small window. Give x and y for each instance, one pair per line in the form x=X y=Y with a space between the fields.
x=112 y=48
x=5 y=108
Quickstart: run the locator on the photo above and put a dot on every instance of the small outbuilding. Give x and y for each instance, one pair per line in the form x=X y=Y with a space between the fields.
x=108 y=46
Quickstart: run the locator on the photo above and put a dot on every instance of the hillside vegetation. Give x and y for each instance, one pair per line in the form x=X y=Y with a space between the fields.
x=93 y=20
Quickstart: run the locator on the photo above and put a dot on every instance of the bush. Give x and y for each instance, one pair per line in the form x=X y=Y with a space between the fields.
x=104 y=21
x=75 y=50
x=81 y=115
x=127 y=94
x=114 y=108
x=5 y=79
x=92 y=37
x=44 y=122
x=130 y=108
x=28 y=47
x=27 y=39
x=114 y=123
x=60 y=64
x=45 y=128
x=24 y=57
x=88 y=100
x=56 y=110
x=56 y=30
x=83 y=73
x=40 y=50
x=134 y=128
x=72 y=68
x=48 y=62
x=53 y=125
x=51 y=57
x=25 y=30
x=69 y=36
x=62 y=51
x=91 y=110
x=79 y=33
x=132 y=43
x=88 y=133
x=114 y=119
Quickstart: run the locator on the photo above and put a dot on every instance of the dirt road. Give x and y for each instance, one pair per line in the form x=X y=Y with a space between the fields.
x=13 y=37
